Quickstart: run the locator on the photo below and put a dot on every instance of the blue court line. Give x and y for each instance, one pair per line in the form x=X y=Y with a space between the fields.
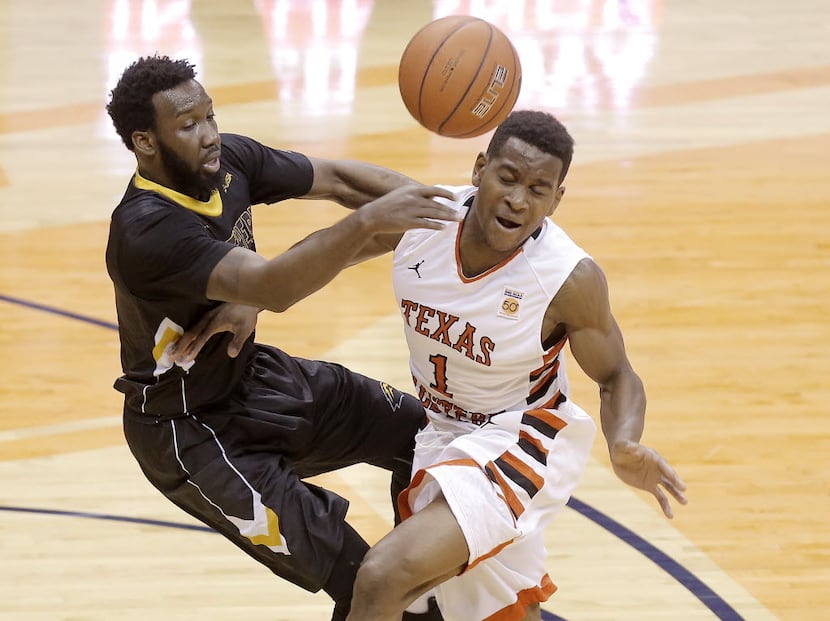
x=58 y=311
x=722 y=610
x=546 y=616
x=702 y=592
x=692 y=583
x=109 y=517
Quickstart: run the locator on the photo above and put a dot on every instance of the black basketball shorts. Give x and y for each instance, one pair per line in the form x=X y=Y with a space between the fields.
x=239 y=467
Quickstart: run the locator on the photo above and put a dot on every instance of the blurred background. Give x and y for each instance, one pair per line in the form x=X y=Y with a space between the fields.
x=700 y=183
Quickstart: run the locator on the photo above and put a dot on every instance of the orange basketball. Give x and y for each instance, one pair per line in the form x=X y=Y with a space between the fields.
x=459 y=76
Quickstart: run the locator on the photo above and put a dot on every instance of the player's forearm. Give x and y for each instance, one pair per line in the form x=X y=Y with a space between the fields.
x=312 y=263
x=359 y=182
x=279 y=283
x=622 y=409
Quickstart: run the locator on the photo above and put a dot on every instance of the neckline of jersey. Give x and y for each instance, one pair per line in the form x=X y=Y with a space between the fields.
x=211 y=207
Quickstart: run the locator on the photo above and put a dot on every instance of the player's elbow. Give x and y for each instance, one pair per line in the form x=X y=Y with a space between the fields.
x=623 y=379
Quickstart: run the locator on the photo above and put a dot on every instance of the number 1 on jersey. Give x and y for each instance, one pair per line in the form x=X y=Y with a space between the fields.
x=440 y=384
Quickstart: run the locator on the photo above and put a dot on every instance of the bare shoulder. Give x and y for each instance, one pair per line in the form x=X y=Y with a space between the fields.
x=582 y=301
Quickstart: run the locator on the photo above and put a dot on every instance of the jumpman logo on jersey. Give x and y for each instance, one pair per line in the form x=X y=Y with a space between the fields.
x=416 y=267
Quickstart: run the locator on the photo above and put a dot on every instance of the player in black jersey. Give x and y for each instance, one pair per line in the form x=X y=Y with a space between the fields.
x=230 y=435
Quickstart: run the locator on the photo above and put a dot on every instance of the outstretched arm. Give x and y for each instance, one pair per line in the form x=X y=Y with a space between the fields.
x=352 y=183
x=248 y=282
x=245 y=277
x=597 y=345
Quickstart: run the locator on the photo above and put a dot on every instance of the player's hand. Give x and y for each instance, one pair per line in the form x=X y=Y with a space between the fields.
x=643 y=467
x=227 y=317
x=408 y=207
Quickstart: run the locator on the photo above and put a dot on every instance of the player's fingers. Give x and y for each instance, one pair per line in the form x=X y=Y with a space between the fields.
x=434 y=190
x=235 y=346
x=674 y=490
x=203 y=336
x=437 y=210
x=186 y=340
x=664 y=502
x=199 y=339
x=427 y=223
x=178 y=348
x=670 y=474
x=432 y=204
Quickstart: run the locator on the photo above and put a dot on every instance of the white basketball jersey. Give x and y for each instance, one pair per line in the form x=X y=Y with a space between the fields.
x=475 y=343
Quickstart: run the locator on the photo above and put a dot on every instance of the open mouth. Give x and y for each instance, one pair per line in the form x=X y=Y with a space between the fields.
x=212 y=165
x=507 y=223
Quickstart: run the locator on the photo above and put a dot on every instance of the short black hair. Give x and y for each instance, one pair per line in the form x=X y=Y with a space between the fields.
x=131 y=101
x=539 y=129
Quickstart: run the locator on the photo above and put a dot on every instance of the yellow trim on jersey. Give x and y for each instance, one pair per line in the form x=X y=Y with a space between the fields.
x=211 y=207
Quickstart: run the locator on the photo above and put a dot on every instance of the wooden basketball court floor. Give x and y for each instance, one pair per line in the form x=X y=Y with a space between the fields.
x=701 y=183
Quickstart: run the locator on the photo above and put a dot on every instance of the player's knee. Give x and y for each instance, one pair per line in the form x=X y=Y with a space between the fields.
x=368 y=581
x=373 y=591
x=385 y=577
x=377 y=569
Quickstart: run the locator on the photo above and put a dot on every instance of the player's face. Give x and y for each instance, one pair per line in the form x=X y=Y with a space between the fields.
x=187 y=138
x=517 y=188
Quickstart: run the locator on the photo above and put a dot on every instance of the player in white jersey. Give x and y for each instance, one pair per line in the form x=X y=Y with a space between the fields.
x=505 y=447
x=488 y=305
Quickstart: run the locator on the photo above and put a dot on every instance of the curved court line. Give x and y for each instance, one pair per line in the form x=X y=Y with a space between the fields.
x=722 y=610
x=546 y=616
x=57 y=311
x=110 y=518
x=687 y=579
x=707 y=596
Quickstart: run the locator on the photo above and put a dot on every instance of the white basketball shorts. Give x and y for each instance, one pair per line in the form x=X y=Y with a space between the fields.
x=504 y=482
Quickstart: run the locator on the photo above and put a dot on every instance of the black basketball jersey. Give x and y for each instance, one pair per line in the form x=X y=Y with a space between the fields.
x=162 y=248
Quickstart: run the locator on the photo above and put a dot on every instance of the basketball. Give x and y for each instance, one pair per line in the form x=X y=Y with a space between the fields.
x=459 y=76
